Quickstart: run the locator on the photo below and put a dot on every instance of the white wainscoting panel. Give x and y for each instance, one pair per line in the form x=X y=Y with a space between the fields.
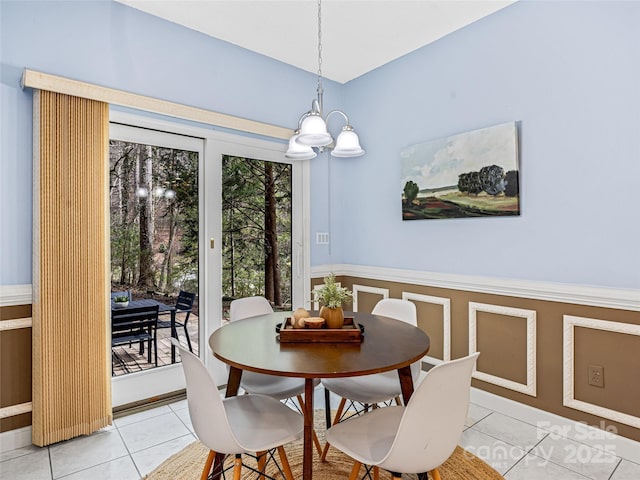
x=530 y=316
x=16 y=323
x=5 y=326
x=363 y=288
x=446 y=322
x=568 y=368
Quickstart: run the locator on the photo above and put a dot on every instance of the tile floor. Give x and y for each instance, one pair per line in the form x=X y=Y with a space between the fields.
x=137 y=443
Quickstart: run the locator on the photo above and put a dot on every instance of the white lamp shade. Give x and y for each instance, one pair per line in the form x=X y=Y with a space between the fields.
x=297 y=151
x=313 y=132
x=347 y=144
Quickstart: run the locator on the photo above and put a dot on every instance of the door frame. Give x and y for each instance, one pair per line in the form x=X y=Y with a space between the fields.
x=137 y=386
x=221 y=144
x=217 y=143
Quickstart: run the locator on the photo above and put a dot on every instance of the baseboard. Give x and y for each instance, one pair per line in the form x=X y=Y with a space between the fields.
x=12 y=439
x=583 y=433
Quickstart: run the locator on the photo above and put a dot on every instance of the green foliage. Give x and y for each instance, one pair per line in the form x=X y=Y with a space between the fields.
x=124 y=247
x=175 y=219
x=511 y=182
x=492 y=179
x=475 y=186
x=244 y=244
x=470 y=182
x=185 y=184
x=330 y=294
x=463 y=182
x=410 y=191
x=175 y=222
x=121 y=299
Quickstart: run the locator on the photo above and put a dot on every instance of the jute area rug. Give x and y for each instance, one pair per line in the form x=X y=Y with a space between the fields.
x=188 y=463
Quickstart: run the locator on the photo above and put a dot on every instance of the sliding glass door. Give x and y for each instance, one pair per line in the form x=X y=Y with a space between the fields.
x=155 y=251
x=258 y=241
x=204 y=233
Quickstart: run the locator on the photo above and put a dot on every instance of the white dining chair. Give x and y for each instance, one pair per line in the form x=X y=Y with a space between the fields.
x=245 y=424
x=280 y=388
x=415 y=438
x=371 y=390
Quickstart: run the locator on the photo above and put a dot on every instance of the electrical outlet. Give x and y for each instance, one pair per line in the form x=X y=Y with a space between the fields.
x=322 y=238
x=596 y=375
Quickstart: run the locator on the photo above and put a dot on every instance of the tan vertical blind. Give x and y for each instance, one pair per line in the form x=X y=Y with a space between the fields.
x=71 y=327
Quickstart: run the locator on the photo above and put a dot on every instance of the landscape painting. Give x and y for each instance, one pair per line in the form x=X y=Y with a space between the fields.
x=473 y=174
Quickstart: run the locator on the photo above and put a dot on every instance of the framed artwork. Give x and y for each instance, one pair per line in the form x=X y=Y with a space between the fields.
x=473 y=174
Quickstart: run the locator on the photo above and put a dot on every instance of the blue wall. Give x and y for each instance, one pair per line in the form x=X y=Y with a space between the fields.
x=106 y=43
x=568 y=72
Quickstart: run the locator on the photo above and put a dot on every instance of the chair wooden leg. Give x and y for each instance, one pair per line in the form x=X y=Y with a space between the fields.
x=262 y=462
x=316 y=442
x=325 y=450
x=396 y=476
x=207 y=465
x=341 y=405
x=376 y=473
x=355 y=470
x=336 y=419
x=435 y=474
x=398 y=402
x=285 y=463
x=237 y=467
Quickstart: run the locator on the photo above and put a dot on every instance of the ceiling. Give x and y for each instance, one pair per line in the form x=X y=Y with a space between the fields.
x=357 y=35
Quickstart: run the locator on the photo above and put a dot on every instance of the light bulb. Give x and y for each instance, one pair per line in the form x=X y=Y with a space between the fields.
x=297 y=151
x=347 y=144
x=313 y=131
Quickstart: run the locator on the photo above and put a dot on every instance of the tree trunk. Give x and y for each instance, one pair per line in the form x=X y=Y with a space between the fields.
x=232 y=273
x=124 y=175
x=122 y=209
x=145 y=279
x=165 y=274
x=271 y=264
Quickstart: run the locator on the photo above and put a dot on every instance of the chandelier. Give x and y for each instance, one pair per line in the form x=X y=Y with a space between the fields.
x=312 y=127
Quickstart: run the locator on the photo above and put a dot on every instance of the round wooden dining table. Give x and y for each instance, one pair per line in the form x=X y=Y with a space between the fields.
x=253 y=344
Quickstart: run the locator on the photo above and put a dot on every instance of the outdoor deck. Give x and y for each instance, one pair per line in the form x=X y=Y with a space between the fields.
x=127 y=359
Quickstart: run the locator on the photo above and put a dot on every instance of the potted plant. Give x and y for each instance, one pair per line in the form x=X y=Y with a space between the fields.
x=120 y=301
x=331 y=296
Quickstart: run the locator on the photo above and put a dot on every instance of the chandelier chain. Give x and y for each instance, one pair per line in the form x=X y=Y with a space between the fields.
x=319 y=46
x=312 y=130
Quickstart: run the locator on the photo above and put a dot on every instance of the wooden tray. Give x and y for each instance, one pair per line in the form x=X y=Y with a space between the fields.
x=351 y=332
